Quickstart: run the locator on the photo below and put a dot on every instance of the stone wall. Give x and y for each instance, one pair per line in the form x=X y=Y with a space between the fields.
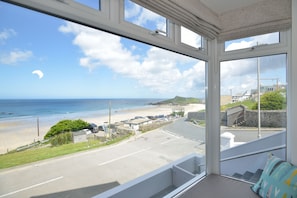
x=196 y=115
x=276 y=119
x=201 y=116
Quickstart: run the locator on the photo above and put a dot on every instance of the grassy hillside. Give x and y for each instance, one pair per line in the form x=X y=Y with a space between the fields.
x=178 y=100
x=247 y=103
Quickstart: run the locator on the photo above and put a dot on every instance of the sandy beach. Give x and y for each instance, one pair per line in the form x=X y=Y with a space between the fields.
x=19 y=132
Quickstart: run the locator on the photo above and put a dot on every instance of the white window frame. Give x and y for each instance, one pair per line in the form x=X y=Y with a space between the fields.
x=282 y=47
x=255 y=51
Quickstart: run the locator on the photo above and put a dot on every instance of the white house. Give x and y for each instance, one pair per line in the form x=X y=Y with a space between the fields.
x=137 y=122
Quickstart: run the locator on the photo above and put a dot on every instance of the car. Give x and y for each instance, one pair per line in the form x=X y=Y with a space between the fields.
x=93 y=127
x=101 y=128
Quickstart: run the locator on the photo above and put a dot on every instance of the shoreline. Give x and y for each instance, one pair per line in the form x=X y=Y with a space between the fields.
x=19 y=132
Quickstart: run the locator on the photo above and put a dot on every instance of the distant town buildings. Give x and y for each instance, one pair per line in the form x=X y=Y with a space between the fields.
x=253 y=93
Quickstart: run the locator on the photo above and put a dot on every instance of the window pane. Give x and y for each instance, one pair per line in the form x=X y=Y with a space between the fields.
x=120 y=85
x=248 y=135
x=95 y=4
x=145 y=18
x=190 y=38
x=265 y=39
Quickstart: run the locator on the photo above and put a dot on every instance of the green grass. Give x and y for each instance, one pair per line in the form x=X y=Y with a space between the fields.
x=41 y=153
x=202 y=123
x=247 y=103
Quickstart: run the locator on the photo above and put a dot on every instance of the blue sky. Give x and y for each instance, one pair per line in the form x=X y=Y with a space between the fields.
x=80 y=62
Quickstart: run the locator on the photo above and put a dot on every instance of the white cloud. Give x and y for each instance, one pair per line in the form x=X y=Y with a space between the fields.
x=238 y=76
x=39 y=73
x=241 y=75
x=157 y=69
x=6 y=34
x=237 y=68
x=163 y=71
x=190 y=38
x=15 y=56
x=253 y=41
x=133 y=10
x=144 y=17
x=240 y=45
x=139 y=15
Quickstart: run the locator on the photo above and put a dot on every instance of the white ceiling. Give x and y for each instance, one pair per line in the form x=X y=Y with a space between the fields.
x=221 y=6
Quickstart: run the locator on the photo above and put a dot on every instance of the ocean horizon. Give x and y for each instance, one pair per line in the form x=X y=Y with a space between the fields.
x=11 y=109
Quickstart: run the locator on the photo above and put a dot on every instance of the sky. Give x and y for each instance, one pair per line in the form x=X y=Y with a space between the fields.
x=45 y=57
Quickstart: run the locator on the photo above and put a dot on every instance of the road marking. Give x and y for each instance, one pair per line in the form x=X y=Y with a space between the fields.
x=33 y=186
x=124 y=156
x=167 y=141
x=171 y=134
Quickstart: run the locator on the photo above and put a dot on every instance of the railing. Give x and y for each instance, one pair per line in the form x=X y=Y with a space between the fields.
x=254 y=153
x=251 y=156
x=166 y=182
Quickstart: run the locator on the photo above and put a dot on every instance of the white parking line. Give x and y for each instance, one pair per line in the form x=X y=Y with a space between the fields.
x=33 y=186
x=124 y=156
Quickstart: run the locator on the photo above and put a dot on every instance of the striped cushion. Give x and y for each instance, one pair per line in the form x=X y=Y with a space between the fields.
x=278 y=180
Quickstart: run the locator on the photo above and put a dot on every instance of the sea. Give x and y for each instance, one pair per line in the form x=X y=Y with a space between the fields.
x=11 y=109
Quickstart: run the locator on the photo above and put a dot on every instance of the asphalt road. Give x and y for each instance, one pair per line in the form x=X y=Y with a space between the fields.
x=190 y=131
x=186 y=129
x=89 y=173
x=86 y=174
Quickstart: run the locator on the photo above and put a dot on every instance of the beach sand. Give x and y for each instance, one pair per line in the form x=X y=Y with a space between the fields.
x=16 y=133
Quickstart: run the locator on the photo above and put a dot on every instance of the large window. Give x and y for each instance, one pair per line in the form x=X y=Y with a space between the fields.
x=139 y=96
x=253 y=113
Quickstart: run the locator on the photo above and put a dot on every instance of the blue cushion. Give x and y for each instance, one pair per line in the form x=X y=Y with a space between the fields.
x=278 y=180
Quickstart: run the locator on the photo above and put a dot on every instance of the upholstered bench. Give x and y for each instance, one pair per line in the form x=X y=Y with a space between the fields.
x=278 y=180
x=216 y=186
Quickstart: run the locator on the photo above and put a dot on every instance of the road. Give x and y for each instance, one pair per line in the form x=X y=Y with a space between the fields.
x=197 y=133
x=187 y=130
x=88 y=173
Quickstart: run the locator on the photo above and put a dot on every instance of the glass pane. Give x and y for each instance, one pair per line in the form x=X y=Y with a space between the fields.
x=95 y=4
x=190 y=38
x=145 y=18
x=265 y=39
x=135 y=99
x=253 y=114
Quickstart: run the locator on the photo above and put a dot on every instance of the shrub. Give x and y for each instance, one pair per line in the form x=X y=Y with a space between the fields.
x=66 y=126
x=179 y=113
x=63 y=138
x=273 y=100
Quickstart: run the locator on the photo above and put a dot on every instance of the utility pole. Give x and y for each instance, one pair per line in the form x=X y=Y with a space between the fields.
x=259 y=97
x=38 y=128
x=109 y=120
